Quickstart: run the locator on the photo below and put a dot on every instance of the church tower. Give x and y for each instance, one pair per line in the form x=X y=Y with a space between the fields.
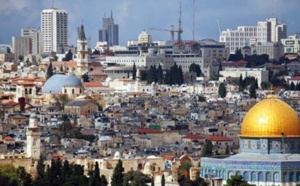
x=137 y=80
x=82 y=53
x=33 y=138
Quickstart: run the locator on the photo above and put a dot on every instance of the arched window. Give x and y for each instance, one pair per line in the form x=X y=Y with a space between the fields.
x=276 y=176
x=73 y=91
x=268 y=177
x=30 y=91
x=260 y=176
x=253 y=176
x=291 y=178
x=246 y=176
x=230 y=173
x=298 y=177
x=65 y=90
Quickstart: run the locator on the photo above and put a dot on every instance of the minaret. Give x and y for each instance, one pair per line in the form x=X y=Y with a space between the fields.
x=137 y=80
x=82 y=53
x=33 y=138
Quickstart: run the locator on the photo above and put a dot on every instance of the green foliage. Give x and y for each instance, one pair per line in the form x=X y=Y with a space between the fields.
x=21 y=58
x=222 y=90
x=68 y=56
x=252 y=91
x=94 y=176
x=237 y=56
x=256 y=60
x=135 y=178
x=49 y=72
x=163 y=181
x=265 y=85
x=184 y=171
x=236 y=180
x=227 y=150
x=24 y=178
x=134 y=72
x=195 y=68
x=201 y=98
x=40 y=169
x=117 y=177
x=207 y=149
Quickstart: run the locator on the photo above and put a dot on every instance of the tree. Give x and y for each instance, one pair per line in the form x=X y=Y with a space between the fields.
x=135 y=178
x=184 y=171
x=160 y=74
x=207 y=149
x=252 y=91
x=222 y=90
x=236 y=180
x=117 y=177
x=40 y=170
x=85 y=77
x=292 y=86
x=134 y=72
x=241 y=84
x=21 y=58
x=94 y=179
x=104 y=181
x=264 y=85
x=68 y=56
x=49 y=72
x=163 y=181
x=195 y=68
x=24 y=179
x=227 y=150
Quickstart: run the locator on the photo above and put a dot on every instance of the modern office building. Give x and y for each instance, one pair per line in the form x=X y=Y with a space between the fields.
x=54 y=26
x=109 y=31
x=21 y=46
x=270 y=30
x=291 y=44
x=35 y=36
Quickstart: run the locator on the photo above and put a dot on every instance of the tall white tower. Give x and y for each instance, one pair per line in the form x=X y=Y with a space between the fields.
x=54 y=26
x=33 y=138
x=82 y=53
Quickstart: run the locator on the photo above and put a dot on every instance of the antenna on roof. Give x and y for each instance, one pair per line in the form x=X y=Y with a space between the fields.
x=52 y=5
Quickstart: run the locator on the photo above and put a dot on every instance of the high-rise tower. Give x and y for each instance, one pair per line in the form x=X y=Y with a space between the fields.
x=109 y=31
x=33 y=138
x=82 y=53
x=54 y=26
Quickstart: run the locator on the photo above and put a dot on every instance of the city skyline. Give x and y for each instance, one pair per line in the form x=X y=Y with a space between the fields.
x=133 y=17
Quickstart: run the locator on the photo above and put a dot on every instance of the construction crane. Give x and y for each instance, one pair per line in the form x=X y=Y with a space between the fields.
x=171 y=30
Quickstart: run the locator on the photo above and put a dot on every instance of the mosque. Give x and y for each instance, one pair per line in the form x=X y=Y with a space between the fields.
x=269 y=148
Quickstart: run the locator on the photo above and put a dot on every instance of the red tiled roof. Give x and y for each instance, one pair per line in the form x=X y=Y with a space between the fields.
x=8 y=138
x=194 y=136
x=295 y=78
x=218 y=138
x=92 y=84
x=148 y=131
x=12 y=103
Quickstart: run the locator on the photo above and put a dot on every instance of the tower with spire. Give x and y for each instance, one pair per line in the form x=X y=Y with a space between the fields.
x=82 y=53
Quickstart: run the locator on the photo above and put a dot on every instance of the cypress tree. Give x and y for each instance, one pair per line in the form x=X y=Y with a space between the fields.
x=252 y=91
x=117 y=177
x=134 y=72
x=49 y=72
x=40 y=170
x=163 y=182
x=222 y=90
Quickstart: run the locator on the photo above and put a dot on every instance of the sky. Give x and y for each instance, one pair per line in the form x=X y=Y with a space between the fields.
x=134 y=16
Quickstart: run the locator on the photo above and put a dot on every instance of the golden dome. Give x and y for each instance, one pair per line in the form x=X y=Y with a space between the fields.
x=270 y=118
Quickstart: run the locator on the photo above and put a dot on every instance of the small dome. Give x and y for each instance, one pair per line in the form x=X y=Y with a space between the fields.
x=56 y=82
x=147 y=167
x=271 y=117
x=117 y=155
x=72 y=81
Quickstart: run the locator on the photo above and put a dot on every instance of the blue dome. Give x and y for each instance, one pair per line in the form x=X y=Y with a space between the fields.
x=56 y=82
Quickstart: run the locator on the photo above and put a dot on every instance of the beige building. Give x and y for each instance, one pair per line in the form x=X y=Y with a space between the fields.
x=81 y=107
x=291 y=44
x=261 y=74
